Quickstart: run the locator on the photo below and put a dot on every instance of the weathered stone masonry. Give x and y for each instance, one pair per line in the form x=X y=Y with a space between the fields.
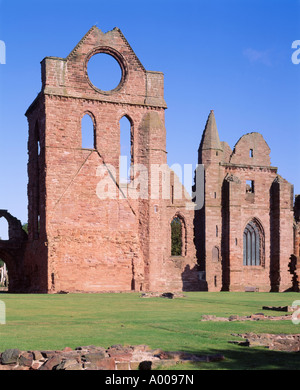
x=79 y=242
x=245 y=236
x=245 y=229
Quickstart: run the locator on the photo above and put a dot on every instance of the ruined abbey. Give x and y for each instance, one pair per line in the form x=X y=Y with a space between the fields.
x=88 y=231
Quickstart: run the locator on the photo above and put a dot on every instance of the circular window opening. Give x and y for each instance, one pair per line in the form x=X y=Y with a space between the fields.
x=104 y=71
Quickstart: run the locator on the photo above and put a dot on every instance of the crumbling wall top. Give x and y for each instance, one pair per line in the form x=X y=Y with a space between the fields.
x=15 y=230
x=251 y=149
x=69 y=77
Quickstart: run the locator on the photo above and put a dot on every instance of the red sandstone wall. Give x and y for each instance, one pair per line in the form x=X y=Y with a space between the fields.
x=230 y=208
x=85 y=243
x=258 y=205
x=95 y=244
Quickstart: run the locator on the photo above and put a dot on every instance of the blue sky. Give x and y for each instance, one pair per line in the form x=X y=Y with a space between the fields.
x=230 y=56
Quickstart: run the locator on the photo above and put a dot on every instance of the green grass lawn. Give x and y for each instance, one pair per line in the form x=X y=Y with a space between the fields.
x=56 y=321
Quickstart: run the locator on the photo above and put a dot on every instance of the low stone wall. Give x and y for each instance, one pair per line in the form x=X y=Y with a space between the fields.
x=275 y=342
x=252 y=317
x=116 y=357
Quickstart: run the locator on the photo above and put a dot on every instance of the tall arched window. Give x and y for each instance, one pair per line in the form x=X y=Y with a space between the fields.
x=37 y=179
x=215 y=254
x=178 y=236
x=253 y=246
x=125 y=149
x=4 y=229
x=87 y=132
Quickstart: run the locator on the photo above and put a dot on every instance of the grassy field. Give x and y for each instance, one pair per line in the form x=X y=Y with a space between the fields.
x=56 y=321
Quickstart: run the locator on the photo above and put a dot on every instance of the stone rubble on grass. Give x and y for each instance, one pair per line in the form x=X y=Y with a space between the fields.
x=252 y=317
x=275 y=342
x=169 y=295
x=257 y=316
x=116 y=357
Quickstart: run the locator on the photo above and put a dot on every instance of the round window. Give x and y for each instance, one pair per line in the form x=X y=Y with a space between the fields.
x=104 y=72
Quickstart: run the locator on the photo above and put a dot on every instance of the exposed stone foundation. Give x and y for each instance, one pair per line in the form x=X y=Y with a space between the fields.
x=276 y=342
x=252 y=317
x=116 y=357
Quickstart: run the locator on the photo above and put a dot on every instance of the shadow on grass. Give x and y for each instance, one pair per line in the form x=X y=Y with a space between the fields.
x=245 y=358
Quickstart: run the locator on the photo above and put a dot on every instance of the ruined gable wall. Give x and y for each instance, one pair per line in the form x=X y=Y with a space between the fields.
x=95 y=244
x=271 y=205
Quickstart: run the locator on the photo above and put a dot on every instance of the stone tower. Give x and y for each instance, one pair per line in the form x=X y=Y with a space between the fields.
x=210 y=154
x=87 y=231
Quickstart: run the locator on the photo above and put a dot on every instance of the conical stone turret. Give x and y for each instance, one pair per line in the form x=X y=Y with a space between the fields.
x=210 y=144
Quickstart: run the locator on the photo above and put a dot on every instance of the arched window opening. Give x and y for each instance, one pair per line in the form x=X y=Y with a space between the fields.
x=176 y=237
x=253 y=244
x=215 y=254
x=4 y=229
x=37 y=169
x=3 y=275
x=87 y=133
x=125 y=150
